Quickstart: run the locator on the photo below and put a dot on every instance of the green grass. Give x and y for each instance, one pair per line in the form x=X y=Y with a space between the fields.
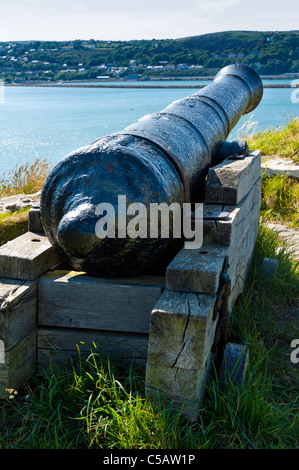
x=282 y=141
x=280 y=194
x=280 y=199
x=96 y=404
x=26 y=179
x=13 y=224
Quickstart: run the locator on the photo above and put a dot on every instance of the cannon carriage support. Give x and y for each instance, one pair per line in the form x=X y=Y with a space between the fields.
x=174 y=323
x=166 y=323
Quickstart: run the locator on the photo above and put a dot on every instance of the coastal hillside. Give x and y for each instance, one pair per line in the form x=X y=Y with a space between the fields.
x=270 y=53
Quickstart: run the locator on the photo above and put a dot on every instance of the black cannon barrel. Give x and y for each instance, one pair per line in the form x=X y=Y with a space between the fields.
x=162 y=158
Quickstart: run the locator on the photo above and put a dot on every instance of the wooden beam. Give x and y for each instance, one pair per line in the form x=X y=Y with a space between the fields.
x=75 y=300
x=27 y=257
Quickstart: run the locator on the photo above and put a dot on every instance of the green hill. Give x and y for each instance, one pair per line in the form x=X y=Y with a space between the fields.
x=270 y=53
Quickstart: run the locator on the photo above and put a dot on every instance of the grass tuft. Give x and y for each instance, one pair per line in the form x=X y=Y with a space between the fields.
x=13 y=224
x=280 y=199
x=282 y=141
x=26 y=179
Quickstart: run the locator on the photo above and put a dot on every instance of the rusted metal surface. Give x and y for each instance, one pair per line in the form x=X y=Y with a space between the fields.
x=164 y=157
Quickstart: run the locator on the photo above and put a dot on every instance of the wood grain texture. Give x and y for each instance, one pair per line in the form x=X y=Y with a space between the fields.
x=231 y=180
x=184 y=389
x=18 y=310
x=179 y=355
x=27 y=257
x=75 y=300
x=17 y=378
x=58 y=345
x=182 y=330
x=196 y=270
x=18 y=355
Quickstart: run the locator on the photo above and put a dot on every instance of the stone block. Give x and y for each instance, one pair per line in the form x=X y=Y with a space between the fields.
x=18 y=202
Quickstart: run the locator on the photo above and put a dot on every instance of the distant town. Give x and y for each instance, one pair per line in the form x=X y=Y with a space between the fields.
x=270 y=53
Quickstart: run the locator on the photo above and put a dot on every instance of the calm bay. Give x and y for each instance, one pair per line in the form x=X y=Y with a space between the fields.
x=50 y=122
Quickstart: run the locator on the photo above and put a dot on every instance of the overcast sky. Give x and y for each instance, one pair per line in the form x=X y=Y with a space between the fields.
x=138 y=19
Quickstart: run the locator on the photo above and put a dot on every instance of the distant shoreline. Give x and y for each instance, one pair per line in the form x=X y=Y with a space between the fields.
x=107 y=85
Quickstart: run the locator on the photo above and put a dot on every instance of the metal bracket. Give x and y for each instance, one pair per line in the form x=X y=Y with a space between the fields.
x=221 y=308
x=215 y=215
x=235 y=150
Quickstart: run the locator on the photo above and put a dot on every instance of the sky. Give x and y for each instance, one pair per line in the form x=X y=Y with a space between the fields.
x=65 y=20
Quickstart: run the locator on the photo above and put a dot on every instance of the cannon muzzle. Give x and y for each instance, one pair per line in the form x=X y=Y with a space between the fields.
x=162 y=158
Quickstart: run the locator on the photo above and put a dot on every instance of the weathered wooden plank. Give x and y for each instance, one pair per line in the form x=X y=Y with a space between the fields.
x=28 y=256
x=58 y=345
x=182 y=330
x=231 y=180
x=183 y=383
x=227 y=231
x=196 y=270
x=243 y=240
x=76 y=300
x=15 y=357
x=183 y=388
x=18 y=310
x=179 y=354
x=16 y=379
x=18 y=315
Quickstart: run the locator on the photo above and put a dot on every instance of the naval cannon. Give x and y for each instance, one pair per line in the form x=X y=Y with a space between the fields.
x=162 y=158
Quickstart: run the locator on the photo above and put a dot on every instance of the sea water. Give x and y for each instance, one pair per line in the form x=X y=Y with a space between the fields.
x=50 y=122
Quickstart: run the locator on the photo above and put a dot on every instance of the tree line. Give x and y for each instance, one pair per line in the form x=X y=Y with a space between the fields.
x=270 y=53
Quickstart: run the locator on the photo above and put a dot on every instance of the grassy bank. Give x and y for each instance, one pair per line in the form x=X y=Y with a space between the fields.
x=282 y=141
x=13 y=224
x=280 y=194
x=98 y=405
x=280 y=200
x=26 y=179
